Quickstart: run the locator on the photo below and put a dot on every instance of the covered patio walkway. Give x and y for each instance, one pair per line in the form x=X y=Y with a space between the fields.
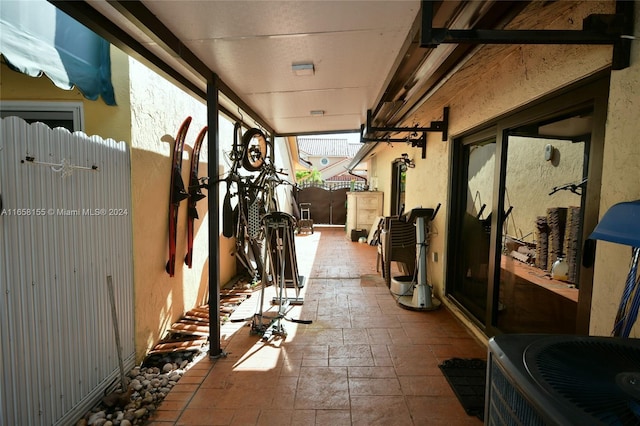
x=363 y=360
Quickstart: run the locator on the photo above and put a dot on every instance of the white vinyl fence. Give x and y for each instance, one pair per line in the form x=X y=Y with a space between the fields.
x=65 y=226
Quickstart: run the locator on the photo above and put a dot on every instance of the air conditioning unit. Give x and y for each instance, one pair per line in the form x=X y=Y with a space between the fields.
x=562 y=380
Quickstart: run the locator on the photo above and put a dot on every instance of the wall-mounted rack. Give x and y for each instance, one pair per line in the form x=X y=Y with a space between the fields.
x=597 y=29
x=417 y=136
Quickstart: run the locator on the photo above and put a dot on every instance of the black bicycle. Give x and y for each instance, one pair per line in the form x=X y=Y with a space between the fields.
x=253 y=194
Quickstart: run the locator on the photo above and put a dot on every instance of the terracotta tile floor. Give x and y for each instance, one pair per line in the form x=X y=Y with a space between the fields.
x=363 y=360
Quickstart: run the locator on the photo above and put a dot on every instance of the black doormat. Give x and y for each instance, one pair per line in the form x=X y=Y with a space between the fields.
x=467 y=379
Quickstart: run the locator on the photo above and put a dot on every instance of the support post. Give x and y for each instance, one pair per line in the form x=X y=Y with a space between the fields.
x=213 y=200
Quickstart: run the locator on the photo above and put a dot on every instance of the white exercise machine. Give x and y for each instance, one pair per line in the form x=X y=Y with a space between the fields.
x=422 y=298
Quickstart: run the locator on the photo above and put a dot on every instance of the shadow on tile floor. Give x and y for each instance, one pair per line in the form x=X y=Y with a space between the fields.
x=363 y=360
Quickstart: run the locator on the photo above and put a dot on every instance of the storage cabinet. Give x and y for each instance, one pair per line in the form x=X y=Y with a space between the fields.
x=363 y=208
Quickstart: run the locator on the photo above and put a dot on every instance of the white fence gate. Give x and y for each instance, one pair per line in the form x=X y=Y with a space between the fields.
x=65 y=226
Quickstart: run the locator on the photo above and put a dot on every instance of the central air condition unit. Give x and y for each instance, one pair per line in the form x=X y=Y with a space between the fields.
x=562 y=380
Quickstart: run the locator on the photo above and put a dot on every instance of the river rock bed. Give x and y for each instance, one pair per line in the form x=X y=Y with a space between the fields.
x=148 y=385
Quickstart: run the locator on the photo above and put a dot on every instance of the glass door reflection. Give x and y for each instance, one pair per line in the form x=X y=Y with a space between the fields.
x=470 y=285
x=541 y=228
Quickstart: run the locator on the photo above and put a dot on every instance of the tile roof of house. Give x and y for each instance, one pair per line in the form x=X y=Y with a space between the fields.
x=345 y=177
x=321 y=147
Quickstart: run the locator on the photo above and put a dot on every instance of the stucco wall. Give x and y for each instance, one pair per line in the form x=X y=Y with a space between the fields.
x=496 y=80
x=620 y=182
x=530 y=179
x=158 y=108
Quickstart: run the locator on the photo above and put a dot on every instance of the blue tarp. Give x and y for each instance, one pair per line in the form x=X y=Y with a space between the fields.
x=37 y=38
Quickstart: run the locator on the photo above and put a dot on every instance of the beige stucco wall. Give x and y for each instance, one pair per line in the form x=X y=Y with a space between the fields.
x=620 y=182
x=530 y=179
x=496 y=80
x=158 y=109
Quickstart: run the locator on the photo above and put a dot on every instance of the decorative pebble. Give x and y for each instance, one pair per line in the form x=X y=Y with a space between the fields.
x=95 y=417
x=149 y=384
x=141 y=412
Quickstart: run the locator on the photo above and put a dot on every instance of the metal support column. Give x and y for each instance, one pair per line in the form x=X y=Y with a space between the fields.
x=213 y=200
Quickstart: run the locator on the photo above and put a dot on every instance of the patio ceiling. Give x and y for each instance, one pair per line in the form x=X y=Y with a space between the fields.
x=365 y=54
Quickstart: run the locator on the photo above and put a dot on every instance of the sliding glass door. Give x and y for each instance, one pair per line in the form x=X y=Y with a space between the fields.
x=541 y=231
x=471 y=279
x=524 y=196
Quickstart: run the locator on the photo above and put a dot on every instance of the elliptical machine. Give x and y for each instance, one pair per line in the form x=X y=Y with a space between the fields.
x=422 y=298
